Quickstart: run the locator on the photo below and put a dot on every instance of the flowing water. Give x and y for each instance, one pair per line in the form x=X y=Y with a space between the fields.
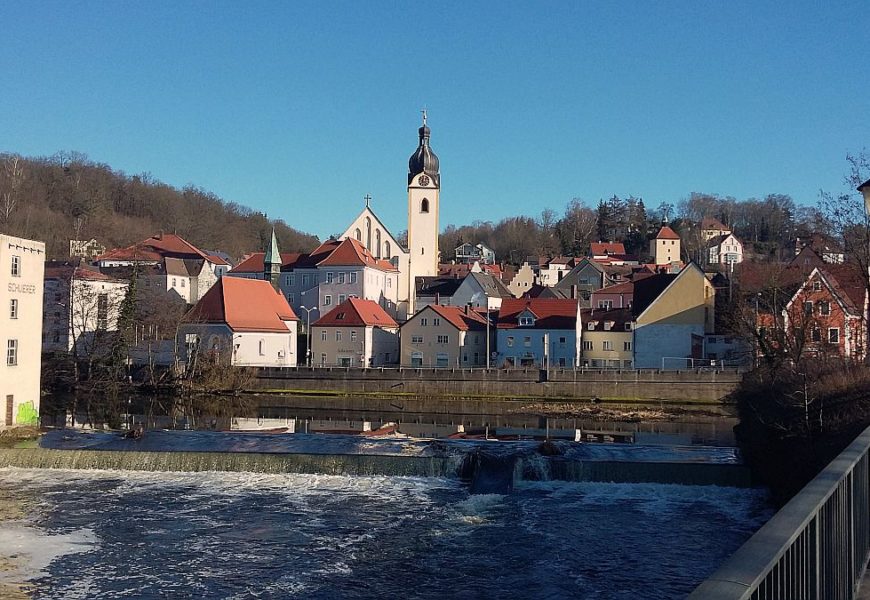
x=113 y=534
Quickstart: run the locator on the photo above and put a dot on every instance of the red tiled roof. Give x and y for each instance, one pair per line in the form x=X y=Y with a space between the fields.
x=712 y=223
x=550 y=313
x=244 y=305
x=666 y=233
x=65 y=272
x=217 y=260
x=356 y=312
x=350 y=252
x=626 y=287
x=253 y=263
x=847 y=283
x=459 y=318
x=155 y=248
x=603 y=248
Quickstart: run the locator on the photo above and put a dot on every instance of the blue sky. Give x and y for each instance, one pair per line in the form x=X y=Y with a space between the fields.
x=300 y=109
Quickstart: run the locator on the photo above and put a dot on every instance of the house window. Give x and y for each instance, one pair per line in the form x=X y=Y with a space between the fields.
x=527 y=341
x=341 y=298
x=424 y=322
x=16 y=266
x=353 y=277
x=526 y=321
x=353 y=336
x=389 y=282
x=323 y=358
x=436 y=322
x=183 y=282
x=291 y=298
x=416 y=339
x=442 y=359
x=833 y=335
x=13 y=308
x=824 y=308
x=338 y=336
x=563 y=340
x=305 y=280
x=443 y=339
x=329 y=277
x=808 y=307
x=628 y=326
x=262 y=347
x=607 y=345
x=102 y=311
x=605 y=304
x=626 y=346
x=587 y=345
x=341 y=277
x=416 y=359
x=323 y=335
x=340 y=316
x=816 y=334
x=817 y=286
x=174 y=282
x=12 y=352
x=327 y=300
x=510 y=341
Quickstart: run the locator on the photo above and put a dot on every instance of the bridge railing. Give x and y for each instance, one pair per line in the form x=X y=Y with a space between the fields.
x=816 y=547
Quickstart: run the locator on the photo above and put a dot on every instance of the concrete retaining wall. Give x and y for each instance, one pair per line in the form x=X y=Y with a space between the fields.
x=610 y=385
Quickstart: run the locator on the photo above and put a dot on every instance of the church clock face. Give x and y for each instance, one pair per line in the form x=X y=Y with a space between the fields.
x=424 y=180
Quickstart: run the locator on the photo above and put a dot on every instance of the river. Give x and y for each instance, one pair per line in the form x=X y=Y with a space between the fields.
x=112 y=534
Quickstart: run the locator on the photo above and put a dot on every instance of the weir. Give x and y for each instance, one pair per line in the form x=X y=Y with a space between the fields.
x=489 y=467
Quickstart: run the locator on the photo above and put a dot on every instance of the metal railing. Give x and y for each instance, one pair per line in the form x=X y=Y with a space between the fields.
x=816 y=547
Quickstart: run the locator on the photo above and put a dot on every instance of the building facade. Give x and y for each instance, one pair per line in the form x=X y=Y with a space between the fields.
x=22 y=264
x=538 y=332
x=356 y=333
x=446 y=336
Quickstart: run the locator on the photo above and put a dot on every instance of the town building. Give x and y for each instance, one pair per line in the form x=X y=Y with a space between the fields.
x=712 y=227
x=829 y=310
x=619 y=295
x=604 y=250
x=86 y=248
x=522 y=281
x=606 y=338
x=665 y=247
x=672 y=314
x=240 y=322
x=724 y=250
x=80 y=309
x=442 y=336
x=436 y=290
x=356 y=333
x=22 y=264
x=541 y=332
x=481 y=290
x=468 y=253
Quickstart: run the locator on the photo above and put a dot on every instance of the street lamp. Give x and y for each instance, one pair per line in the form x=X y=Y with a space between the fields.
x=308 y=333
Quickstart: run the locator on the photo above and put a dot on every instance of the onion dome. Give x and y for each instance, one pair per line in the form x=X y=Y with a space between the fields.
x=423 y=160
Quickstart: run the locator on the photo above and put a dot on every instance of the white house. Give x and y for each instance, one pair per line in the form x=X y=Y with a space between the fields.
x=468 y=253
x=21 y=272
x=356 y=333
x=80 y=306
x=481 y=290
x=724 y=250
x=245 y=320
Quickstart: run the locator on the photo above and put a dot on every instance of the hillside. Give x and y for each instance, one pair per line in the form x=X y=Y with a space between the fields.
x=68 y=197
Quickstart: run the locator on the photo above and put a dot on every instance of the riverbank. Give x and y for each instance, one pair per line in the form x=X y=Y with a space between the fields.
x=13 y=565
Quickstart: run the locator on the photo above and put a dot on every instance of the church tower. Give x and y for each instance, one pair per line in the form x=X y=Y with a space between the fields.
x=424 y=185
x=272 y=262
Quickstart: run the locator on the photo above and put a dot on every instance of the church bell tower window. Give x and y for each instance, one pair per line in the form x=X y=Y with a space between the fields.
x=424 y=205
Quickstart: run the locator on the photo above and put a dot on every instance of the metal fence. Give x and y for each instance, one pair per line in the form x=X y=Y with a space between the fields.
x=815 y=547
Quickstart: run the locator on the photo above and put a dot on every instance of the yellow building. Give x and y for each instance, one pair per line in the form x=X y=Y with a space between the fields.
x=606 y=338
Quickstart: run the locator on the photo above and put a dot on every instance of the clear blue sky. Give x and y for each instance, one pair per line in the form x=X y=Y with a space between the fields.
x=300 y=109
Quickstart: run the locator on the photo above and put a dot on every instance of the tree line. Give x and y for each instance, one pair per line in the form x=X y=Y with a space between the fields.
x=67 y=196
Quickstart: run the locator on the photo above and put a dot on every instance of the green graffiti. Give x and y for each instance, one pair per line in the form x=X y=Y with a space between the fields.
x=27 y=415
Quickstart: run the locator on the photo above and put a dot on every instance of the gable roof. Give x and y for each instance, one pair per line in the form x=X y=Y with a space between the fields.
x=459 y=317
x=243 y=305
x=154 y=248
x=66 y=271
x=351 y=253
x=713 y=224
x=625 y=287
x=606 y=248
x=666 y=233
x=646 y=290
x=491 y=285
x=356 y=312
x=441 y=286
x=254 y=263
x=717 y=240
x=183 y=267
x=550 y=313
x=847 y=285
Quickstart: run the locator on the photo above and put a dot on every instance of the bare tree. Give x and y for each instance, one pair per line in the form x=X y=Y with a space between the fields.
x=13 y=177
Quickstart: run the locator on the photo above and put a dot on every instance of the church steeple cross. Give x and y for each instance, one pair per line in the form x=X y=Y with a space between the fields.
x=424 y=116
x=367 y=198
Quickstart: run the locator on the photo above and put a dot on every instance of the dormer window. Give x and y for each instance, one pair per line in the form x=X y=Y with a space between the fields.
x=340 y=316
x=608 y=325
x=591 y=325
x=628 y=326
x=526 y=321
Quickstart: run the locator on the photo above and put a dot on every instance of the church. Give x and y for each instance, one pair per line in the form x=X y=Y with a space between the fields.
x=421 y=257
x=367 y=261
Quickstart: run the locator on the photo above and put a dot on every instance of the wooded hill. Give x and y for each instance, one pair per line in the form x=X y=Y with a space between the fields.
x=67 y=196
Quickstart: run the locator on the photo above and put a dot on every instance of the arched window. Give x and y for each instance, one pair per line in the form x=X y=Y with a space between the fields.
x=424 y=205
x=368 y=233
x=387 y=253
x=377 y=243
x=358 y=234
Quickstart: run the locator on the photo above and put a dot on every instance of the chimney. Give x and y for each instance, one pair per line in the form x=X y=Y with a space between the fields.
x=573 y=292
x=467 y=308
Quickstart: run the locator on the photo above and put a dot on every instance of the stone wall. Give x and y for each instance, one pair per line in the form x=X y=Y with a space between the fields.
x=700 y=386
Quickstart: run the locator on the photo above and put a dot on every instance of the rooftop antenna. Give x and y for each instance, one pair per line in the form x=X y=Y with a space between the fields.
x=424 y=115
